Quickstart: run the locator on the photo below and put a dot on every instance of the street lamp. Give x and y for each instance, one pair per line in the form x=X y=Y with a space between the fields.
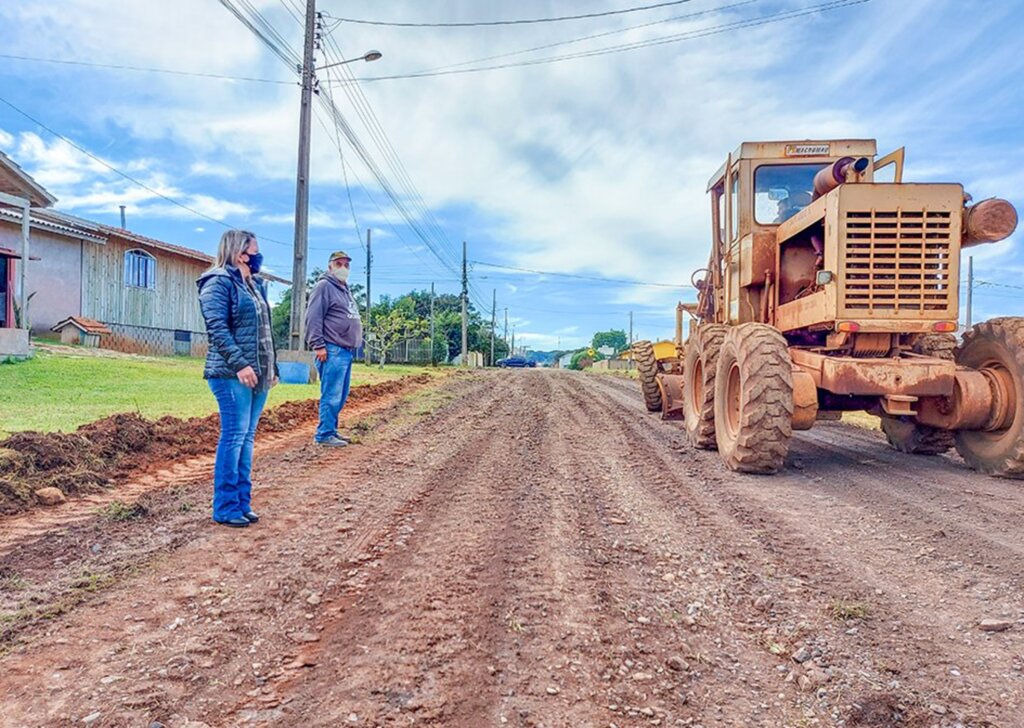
x=368 y=56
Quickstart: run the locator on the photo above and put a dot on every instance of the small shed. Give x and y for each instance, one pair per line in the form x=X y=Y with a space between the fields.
x=79 y=330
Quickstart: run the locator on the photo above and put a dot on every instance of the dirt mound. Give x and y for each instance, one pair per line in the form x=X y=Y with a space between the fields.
x=104 y=451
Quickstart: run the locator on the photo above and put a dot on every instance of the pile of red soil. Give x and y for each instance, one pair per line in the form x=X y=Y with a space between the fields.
x=97 y=454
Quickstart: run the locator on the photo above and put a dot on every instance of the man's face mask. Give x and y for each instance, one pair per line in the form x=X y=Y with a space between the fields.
x=341 y=273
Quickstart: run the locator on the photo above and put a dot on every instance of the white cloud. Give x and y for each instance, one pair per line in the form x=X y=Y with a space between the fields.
x=205 y=169
x=596 y=165
x=84 y=185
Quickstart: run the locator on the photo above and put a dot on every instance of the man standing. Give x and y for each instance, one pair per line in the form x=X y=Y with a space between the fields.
x=334 y=333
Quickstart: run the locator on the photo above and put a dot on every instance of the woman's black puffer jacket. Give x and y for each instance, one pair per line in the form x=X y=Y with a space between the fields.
x=232 y=322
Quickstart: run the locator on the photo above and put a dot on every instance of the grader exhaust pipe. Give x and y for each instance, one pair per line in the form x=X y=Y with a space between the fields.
x=835 y=174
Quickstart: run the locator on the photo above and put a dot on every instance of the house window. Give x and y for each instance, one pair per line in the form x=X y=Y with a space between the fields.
x=139 y=269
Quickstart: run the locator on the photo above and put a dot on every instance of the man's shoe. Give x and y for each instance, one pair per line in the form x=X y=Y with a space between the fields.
x=251 y=516
x=332 y=442
x=240 y=522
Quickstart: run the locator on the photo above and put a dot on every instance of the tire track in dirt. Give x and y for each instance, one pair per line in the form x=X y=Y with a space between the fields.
x=703 y=610
x=853 y=538
x=218 y=611
x=428 y=625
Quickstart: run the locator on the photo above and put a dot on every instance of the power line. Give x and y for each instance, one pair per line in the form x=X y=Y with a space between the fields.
x=526 y=21
x=778 y=17
x=581 y=39
x=169 y=71
x=373 y=126
x=125 y=175
x=436 y=241
x=578 y=276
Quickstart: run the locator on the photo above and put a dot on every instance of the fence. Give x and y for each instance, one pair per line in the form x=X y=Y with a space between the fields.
x=154 y=342
x=410 y=351
x=613 y=364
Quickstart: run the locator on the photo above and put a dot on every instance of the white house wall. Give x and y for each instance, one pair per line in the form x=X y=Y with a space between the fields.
x=56 y=278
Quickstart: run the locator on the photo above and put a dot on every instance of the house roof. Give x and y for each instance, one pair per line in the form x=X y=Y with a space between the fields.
x=85 y=325
x=16 y=181
x=47 y=220
x=136 y=239
x=81 y=229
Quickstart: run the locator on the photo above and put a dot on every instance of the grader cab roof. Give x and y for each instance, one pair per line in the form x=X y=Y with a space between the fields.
x=793 y=149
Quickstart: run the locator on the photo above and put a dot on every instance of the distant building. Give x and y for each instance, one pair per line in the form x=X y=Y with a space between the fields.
x=143 y=290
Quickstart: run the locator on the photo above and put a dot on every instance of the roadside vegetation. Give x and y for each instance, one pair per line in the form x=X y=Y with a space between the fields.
x=58 y=392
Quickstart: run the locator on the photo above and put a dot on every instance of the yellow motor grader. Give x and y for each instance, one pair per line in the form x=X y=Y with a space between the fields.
x=829 y=290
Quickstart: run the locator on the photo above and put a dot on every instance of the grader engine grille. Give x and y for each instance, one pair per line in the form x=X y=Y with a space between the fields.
x=898 y=261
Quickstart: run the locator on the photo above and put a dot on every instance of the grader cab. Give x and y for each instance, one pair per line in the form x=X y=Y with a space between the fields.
x=833 y=286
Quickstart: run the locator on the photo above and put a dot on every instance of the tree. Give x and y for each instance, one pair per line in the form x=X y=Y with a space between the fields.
x=616 y=338
x=584 y=358
x=394 y=326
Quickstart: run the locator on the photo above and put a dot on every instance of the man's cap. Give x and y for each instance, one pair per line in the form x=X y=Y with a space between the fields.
x=337 y=254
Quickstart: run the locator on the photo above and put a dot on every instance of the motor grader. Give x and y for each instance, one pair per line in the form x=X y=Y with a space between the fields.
x=830 y=290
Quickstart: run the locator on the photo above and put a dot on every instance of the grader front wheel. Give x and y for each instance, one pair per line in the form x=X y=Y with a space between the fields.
x=699 y=385
x=754 y=399
x=647 y=369
x=996 y=349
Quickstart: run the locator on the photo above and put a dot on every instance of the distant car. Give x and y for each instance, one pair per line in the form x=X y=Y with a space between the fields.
x=516 y=361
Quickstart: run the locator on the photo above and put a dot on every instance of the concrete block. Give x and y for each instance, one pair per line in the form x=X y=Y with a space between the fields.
x=14 y=344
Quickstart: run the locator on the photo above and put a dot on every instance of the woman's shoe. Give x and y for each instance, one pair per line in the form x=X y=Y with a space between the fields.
x=240 y=522
x=251 y=516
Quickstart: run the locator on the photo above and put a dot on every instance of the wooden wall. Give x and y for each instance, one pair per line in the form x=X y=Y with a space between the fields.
x=173 y=304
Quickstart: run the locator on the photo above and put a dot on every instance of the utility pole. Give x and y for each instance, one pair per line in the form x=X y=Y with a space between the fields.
x=369 y=263
x=494 y=309
x=124 y=225
x=505 y=337
x=298 y=315
x=465 y=309
x=432 y=362
x=970 y=287
x=513 y=341
x=631 y=329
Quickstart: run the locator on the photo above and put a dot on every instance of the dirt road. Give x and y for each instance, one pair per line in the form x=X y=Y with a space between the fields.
x=530 y=548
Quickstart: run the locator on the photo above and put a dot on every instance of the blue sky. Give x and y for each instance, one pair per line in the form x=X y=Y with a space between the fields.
x=593 y=166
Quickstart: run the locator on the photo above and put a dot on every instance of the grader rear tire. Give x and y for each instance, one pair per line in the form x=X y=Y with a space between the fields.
x=996 y=347
x=908 y=436
x=754 y=399
x=699 y=385
x=647 y=368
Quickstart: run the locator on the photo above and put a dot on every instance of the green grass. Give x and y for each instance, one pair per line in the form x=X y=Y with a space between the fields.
x=58 y=392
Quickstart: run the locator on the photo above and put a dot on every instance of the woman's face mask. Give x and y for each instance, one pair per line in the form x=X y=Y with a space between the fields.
x=255 y=262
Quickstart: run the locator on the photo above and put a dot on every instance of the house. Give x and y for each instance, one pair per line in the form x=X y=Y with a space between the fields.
x=140 y=289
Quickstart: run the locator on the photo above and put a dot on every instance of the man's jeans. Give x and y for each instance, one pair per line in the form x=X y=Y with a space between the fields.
x=335 y=376
x=240 y=409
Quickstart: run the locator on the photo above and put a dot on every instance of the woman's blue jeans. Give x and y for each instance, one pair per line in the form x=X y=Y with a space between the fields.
x=335 y=378
x=240 y=409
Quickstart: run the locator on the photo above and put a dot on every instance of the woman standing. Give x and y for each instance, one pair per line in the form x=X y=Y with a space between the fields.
x=241 y=367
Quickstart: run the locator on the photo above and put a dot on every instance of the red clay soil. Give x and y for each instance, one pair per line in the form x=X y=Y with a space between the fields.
x=531 y=549
x=100 y=453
